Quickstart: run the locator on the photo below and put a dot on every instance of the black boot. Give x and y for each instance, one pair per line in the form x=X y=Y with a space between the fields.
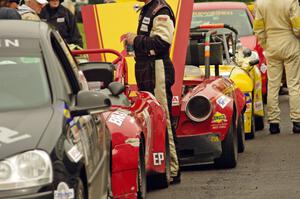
x=274 y=128
x=296 y=127
x=176 y=179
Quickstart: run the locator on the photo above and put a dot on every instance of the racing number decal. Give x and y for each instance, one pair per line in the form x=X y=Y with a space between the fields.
x=158 y=158
x=9 y=136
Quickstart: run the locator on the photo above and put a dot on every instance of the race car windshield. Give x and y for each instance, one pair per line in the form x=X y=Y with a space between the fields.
x=23 y=81
x=237 y=18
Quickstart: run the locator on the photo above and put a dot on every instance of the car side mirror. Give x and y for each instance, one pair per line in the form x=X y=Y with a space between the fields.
x=90 y=102
x=247 y=52
x=254 y=62
x=116 y=88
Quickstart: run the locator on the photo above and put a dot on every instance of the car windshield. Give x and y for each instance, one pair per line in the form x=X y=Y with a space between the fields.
x=237 y=18
x=23 y=80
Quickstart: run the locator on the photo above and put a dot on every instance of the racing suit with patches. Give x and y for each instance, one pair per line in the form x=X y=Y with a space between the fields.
x=154 y=70
x=277 y=26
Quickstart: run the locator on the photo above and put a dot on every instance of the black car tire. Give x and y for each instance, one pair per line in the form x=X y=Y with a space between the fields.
x=228 y=158
x=259 y=123
x=161 y=181
x=241 y=135
x=265 y=98
x=141 y=177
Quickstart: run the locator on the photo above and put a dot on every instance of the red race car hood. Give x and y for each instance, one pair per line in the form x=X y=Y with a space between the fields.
x=249 y=41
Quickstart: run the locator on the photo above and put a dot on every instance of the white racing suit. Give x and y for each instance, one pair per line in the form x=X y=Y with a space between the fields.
x=277 y=26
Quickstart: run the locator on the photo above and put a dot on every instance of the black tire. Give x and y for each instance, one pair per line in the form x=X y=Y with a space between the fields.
x=228 y=158
x=161 y=181
x=251 y=135
x=259 y=123
x=79 y=189
x=141 y=177
x=265 y=98
x=241 y=135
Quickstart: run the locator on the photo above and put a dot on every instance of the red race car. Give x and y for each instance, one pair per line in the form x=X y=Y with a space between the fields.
x=140 y=150
x=237 y=15
x=210 y=123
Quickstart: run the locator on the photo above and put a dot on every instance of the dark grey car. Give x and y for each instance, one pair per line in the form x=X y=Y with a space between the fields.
x=53 y=141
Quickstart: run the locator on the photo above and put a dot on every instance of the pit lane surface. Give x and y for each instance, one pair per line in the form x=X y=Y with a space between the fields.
x=268 y=169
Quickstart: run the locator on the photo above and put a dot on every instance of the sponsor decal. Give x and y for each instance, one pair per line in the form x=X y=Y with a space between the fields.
x=60 y=20
x=213 y=13
x=158 y=158
x=74 y=154
x=146 y=20
x=248 y=98
x=117 y=118
x=135 y=142
x=263 y=68
x=144 y=28
x=219 y=118
x=63 y=192
x=175 y=101
x=223 y=101
x=152 y=52
x=258 y=106
x=257 y=85
x=8 y=136
x=9 y=43
x=214 y=138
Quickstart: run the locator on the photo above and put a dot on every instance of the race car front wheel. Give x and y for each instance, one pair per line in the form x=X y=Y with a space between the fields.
x=141 y=177
x=228 y=158
x=161 y=180
x=241 y=134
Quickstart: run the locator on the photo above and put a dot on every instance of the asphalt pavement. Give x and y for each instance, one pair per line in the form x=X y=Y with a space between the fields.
x=268 y=169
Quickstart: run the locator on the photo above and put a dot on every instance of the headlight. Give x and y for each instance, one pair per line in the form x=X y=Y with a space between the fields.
x=29 y=169
x=198 y=108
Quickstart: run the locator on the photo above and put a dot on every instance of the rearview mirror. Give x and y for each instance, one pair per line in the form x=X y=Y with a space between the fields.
x=254 y=62
x=116 y=88
x=90 y=102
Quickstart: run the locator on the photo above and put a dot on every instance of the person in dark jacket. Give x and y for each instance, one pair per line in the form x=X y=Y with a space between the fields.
x=154 y=70
x=8 y=13
x=65 y=22
x=13 y=4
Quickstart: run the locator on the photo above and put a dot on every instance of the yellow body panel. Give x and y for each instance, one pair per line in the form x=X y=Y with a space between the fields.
x=117 y=19
x=248 y=113
x=257 y=98
x=242 y=79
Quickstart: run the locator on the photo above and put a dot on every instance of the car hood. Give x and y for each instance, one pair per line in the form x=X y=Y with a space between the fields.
x=249 y=41
x=22 y=130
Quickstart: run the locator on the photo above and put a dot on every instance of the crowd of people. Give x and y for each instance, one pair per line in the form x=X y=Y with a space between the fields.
x=52 y=12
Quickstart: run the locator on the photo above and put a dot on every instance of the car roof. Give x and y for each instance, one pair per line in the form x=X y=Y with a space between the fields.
x=219 y=5
x=23 y=28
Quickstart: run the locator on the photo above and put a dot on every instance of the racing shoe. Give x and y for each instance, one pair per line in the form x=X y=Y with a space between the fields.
x=296 y=127
x=274 y=128
x=176 y=179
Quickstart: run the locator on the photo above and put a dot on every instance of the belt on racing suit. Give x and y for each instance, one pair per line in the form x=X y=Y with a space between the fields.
x=151 y=58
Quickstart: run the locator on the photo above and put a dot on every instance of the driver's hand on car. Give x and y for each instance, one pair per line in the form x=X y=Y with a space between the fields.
x=129 y=37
